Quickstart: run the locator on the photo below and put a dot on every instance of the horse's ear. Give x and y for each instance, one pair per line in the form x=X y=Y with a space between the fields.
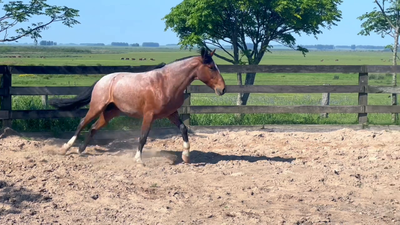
x=203 y=52
x=212 y=53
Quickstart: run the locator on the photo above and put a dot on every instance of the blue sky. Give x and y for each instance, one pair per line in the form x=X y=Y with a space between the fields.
x=105 y=21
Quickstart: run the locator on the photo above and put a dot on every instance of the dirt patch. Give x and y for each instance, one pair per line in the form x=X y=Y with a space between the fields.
x=240 y=177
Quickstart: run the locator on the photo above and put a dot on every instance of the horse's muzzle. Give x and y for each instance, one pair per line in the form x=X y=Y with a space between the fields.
x=220 y=92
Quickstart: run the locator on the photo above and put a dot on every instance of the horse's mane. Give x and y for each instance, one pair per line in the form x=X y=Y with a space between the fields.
x=201 y=51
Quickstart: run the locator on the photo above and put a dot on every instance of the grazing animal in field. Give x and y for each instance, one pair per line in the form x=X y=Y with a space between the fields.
x=126 y=58
x=151 y=95
x=152 y=59
x=133 y=58
x=122 y=58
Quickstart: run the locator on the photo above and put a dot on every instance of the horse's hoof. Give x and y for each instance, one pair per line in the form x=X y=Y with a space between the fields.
x=140 y=164
x=64 y=149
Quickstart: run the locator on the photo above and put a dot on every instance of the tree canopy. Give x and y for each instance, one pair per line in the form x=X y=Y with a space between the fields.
x=18 y=13
x=206 y=23
x=383 y=20
x=212 y=22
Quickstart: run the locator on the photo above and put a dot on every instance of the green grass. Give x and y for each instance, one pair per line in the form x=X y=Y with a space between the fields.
x=110 y=56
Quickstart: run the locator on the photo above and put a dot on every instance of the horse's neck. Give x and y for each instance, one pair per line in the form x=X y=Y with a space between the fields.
x=182 y=75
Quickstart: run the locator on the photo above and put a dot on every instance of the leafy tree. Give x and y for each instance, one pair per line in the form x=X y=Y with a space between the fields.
x=217 y=22
x=16 y=13
x=385 y=20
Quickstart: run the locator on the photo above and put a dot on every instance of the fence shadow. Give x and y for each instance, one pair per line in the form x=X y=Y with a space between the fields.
x=16 y=199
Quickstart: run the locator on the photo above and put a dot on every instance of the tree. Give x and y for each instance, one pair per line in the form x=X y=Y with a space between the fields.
x=17 y=13
x=217 y=22
x=385 y=20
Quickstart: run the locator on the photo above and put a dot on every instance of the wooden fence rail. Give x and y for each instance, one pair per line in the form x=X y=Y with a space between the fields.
x=362 y=89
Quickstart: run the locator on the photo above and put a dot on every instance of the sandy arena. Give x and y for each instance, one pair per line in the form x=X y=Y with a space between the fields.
x=236 y=177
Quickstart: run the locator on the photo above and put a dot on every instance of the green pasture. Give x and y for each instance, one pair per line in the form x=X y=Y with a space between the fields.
x=111 y=56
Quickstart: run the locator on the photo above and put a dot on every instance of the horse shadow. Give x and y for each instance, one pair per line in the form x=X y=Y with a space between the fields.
x=201 y=158
x=17 y=199
x=196 y=156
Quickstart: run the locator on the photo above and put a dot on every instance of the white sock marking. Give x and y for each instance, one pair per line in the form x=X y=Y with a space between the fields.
x=138 y=155
x=186 y=145
x=72 y=140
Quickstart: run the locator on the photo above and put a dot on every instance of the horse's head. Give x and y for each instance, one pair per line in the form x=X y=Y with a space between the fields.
x=209 y=73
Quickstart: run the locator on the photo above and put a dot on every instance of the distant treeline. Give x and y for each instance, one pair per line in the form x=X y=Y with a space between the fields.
x=249 y=45
x=352 y=47
x=126 y=44
x=92 y=44
x=47 y=43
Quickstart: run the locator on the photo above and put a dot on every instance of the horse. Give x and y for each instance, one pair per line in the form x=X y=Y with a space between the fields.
x=149 y=96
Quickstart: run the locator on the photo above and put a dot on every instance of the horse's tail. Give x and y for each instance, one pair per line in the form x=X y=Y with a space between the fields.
x=73 y=103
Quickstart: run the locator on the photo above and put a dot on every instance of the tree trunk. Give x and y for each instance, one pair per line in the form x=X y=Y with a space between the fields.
x=240 y=95
x=250 y=78
x=236 y=61
x=395 y=116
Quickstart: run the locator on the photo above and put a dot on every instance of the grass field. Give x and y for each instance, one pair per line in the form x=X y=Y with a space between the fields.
x=111 y=56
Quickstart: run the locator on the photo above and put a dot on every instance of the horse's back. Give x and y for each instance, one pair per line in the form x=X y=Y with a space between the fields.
x=130 y=92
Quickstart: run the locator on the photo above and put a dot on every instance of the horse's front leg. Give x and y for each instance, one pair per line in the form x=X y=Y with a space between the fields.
x=174 y=118
x=146 y=126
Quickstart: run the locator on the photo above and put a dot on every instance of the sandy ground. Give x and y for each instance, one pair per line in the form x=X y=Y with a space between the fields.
x=257 y=177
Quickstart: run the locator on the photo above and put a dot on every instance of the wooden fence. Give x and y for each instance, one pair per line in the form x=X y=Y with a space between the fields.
x=362 y=89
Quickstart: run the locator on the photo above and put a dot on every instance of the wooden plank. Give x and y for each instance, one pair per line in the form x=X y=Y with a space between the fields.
x=223 y=69
x=81 y=69
x=47 y=90
x=274 y=109
x=382 y=69
x=291 y=68
x=206 y=89
x=382 y=89
x=41 y=114
x=363 y=98
x=382 y=109
x=280 y=89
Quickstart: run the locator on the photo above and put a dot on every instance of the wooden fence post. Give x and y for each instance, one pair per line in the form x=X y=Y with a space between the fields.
x=325 y=101
x=363 y=98
x=185 y=115
x=6 y=102
x=45 y=100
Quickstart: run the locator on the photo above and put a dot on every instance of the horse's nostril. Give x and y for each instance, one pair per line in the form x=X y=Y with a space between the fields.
x=223 y=91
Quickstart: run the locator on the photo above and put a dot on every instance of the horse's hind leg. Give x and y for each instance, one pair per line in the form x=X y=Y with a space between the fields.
x=90 y=116
x=174 y=118
x=146 y=126
x=103 y=120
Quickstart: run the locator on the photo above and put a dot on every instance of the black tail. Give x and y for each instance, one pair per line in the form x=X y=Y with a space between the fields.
x=73 y=103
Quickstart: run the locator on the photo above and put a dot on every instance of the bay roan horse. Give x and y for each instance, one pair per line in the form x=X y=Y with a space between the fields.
x=149 y=96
